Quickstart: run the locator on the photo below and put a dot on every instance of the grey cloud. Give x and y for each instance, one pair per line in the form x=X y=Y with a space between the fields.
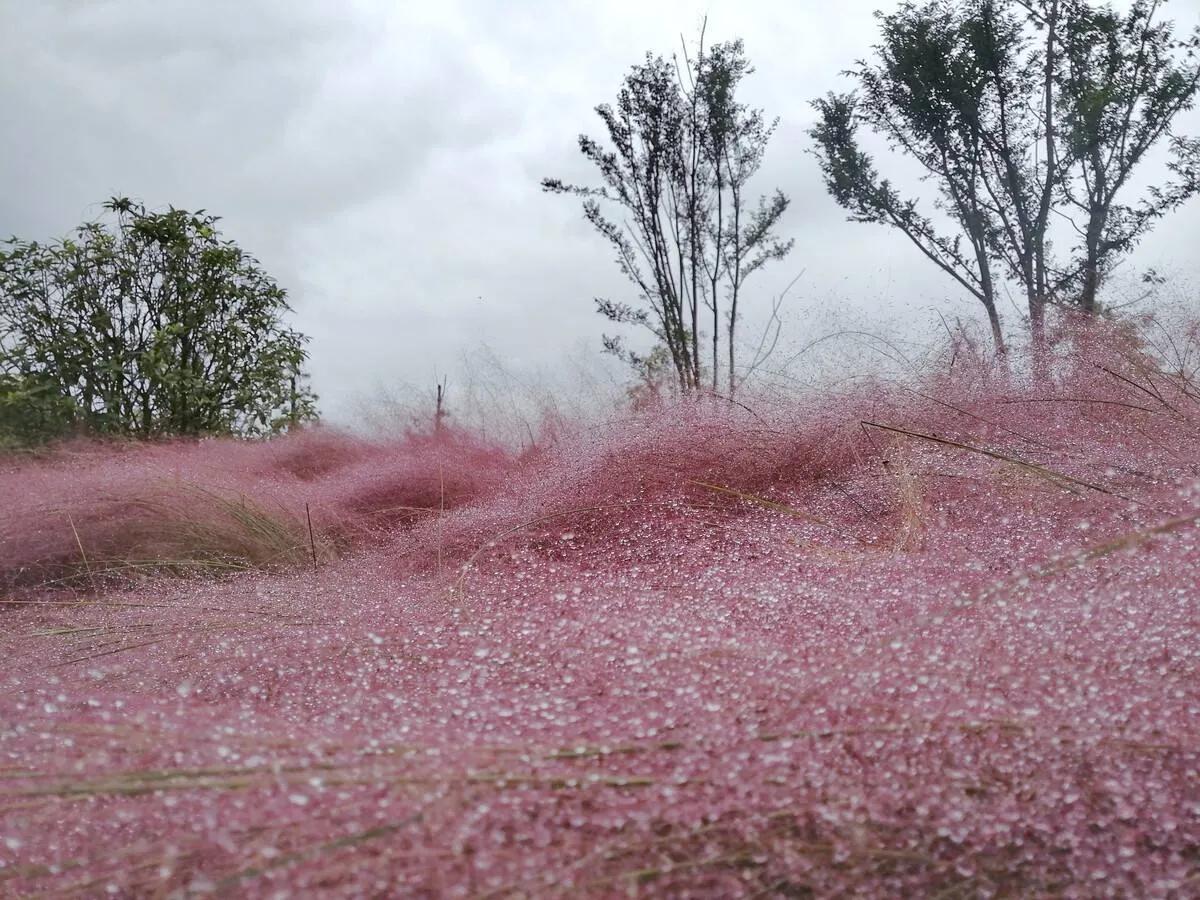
x=382 y=158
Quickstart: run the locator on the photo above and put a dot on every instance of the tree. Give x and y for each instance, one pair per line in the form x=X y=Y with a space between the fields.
x=150 y=324
x=1017 y=110
x=1120 y=86
x=31 y=410
x=955 y=87
x=683 y=152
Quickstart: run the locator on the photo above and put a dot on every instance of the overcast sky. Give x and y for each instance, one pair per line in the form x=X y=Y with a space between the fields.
x=382 y=158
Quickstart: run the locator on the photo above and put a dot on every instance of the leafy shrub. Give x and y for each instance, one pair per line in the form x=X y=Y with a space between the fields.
x=151 y=325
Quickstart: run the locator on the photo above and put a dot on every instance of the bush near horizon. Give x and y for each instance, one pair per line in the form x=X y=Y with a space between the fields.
x=146 y=325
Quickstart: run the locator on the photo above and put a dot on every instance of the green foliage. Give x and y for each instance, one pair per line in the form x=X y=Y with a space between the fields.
x=1029 y=117
x=148 y=325
x=685 y=233
x=32 y=410
x=1123 y=80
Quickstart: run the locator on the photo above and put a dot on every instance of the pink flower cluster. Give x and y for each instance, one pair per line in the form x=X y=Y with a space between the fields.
x=936 y=639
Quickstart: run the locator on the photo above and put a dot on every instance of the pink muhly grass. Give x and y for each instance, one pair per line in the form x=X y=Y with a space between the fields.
x=708 y=651
x=125 y=510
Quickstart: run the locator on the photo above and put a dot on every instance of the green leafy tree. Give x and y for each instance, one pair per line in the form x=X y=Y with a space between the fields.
x=148 y=324
x=1122 y=81
x=32 y=410
x=674 y=205
x=956 y=87
x=1026 y=116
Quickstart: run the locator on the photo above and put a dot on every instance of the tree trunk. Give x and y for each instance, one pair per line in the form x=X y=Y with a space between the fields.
x=716 y=340
x=1037 y=335
x=1091 y=284
x=1095 y=231
x=997 y=334
x=732 y=379
x=1038 y=289
x=989 y=304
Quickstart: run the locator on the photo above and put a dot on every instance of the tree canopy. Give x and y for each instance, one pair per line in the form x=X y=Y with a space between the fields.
x=1029 y=118
x=146 y=324
x=674 y=204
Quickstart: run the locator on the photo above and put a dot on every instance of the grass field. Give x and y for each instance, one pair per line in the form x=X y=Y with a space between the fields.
x=936 y=639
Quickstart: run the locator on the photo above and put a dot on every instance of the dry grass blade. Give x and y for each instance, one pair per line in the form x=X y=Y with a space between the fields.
x=1150 y=389
x=87 y=566
x=351 y=840
x=1096 y=400
x=911 y=533
x=1058 y=478
x=978 y=418
x=181 y=528
x=136 y=784
x=1125 y=542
